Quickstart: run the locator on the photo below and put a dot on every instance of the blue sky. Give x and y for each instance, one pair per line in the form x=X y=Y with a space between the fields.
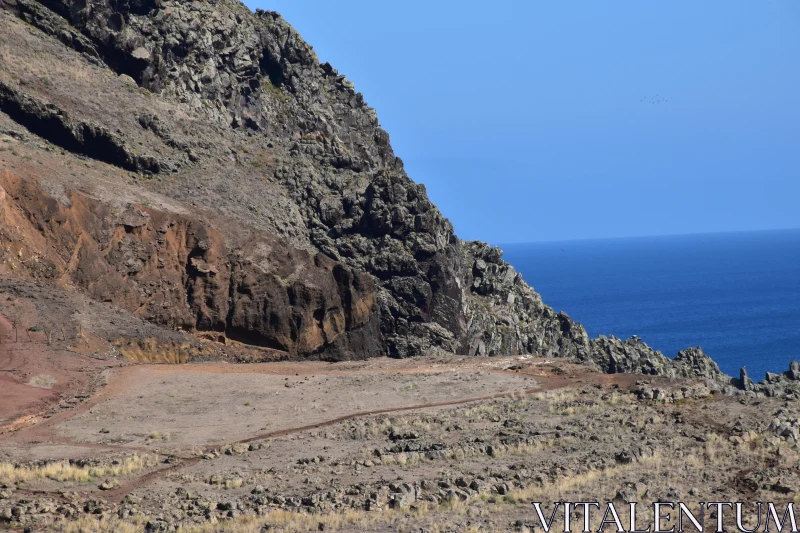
x=526 y=120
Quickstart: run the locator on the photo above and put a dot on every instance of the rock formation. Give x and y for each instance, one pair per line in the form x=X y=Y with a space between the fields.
x=782 y=385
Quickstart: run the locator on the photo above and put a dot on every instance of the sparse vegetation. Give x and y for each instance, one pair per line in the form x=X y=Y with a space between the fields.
x=93 y=524
x=42 y=381
x=12 y=474
x=159 y=436
x=272 y=90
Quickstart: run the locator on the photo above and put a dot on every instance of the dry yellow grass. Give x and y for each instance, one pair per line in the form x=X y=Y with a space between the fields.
x=572 y=410
x=523 y=449
x=170 y=355
x=296 y=522
x=44 y=69
x=481 y=411
x=593 y=479
x=600 y=482
x=11 y=474
x=277 y=520
x=715 y=445
x=558 y=395
x=91 y=524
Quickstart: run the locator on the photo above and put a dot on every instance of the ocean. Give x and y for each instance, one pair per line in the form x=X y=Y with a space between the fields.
x=735 y=294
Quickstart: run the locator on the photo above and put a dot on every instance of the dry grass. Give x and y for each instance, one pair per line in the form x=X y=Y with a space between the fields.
x=11 y=474
x=616 y=398
x=559 y=395
x=282 y=521
x=42 y=381
x=756 y=445
x=482 y=411
x=523 y=449
x=368 y=428
x=458 y=453
x=715 y=448
x=600 y=482
x=168 y=355
x=295 y=522
x=400 y=459
x=159 y=436
x=373 y=427
x=89 y=524
x=566 y=409
x=45 y=69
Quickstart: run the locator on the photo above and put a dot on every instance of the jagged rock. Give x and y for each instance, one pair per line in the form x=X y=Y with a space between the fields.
x=613 y=355
x=52 y=123
x=624 y=457
x=744 y=382
x=773 y=378
x=693 y=363
x=794 y=371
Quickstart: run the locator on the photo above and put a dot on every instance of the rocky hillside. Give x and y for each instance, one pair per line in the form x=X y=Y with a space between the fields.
x=194 y=164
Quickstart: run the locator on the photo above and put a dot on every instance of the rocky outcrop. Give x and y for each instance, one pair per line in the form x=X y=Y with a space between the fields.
x=614 y=355
x=179 y=272
x=300 y=128
x=506 y=316
x=51 y=123
x=693 y=362
x=785 y=385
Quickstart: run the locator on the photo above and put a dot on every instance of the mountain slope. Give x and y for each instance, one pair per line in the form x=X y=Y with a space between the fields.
x=194 y=163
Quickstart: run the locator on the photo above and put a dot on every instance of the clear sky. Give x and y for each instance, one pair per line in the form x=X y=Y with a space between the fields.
x=532 y=120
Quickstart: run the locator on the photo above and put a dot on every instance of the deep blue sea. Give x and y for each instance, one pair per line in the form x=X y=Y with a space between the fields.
x=735 y=294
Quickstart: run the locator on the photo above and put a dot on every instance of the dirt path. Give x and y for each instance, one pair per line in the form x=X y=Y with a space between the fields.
x=35 y=376
x=126 y=378
x=16 y=398
x=123 y=377
x=545 y=384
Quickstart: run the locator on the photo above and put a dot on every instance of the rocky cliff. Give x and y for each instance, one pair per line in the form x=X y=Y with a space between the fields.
x=196 y=165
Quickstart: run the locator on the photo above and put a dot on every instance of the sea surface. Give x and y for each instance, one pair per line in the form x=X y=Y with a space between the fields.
x=735 y=294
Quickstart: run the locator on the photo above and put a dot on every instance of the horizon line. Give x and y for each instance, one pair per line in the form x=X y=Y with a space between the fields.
x=582 y=239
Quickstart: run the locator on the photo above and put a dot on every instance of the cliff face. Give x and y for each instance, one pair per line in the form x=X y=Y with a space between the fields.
x=231 y=183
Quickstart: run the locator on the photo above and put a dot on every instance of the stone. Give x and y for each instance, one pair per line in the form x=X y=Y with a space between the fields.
x=626 y=495
x=141 y=53
x=794 y=371
x=624 y=457
x=773 y=378
x=109 y=484
x=745 y=383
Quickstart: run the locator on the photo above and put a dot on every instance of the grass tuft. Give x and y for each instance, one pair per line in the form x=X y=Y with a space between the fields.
x=11 y=474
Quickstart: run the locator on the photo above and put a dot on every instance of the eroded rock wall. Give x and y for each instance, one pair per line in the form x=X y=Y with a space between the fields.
x=179 y=272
